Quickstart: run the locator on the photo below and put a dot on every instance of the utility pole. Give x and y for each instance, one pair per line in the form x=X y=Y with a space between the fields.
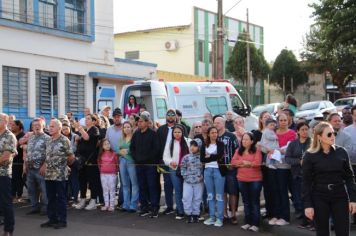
x=220 y=43
x=213 y=53
x=248 y=59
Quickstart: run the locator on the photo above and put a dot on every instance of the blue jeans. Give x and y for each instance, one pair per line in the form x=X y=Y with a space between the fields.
x=129 y=183
x=147 y=181
x=6 y=204
x=178 y=190
x=57 y=202
x=250 y=192
x=35 y=180
x=215 y=184
x=297 y=193
x=278 y=184
x=168 y=188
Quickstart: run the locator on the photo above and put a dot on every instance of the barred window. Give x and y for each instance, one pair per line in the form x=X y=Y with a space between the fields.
x=46 y=85
x=15 y=95
x=74 y=16
x=75 y=94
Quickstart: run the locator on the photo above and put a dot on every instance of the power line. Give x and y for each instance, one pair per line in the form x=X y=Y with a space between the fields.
x=232 y=7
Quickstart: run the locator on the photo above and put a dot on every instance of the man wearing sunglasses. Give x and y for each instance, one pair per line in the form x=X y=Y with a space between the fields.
x=164 y=133
x=351 y=130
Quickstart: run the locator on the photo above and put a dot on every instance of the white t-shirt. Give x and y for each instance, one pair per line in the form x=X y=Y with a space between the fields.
x=212 y=149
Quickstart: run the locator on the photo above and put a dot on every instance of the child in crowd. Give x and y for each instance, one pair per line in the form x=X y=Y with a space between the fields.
x=108 y=166
x=193 y=186
x=269 y=142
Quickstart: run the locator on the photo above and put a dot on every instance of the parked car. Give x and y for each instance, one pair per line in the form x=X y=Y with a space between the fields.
x=272 y=108
x=311 y=109
x=343 y=102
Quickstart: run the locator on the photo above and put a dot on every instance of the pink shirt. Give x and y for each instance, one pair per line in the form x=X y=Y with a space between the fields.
x=248 y=174
x=129 y=110
x=108 y=163
x=284 y=138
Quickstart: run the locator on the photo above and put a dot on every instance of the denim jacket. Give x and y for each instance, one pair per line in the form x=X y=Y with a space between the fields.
x=192 y=169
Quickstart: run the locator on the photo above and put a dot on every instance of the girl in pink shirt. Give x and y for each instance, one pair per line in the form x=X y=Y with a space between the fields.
x=108 y=166
x=248 y=160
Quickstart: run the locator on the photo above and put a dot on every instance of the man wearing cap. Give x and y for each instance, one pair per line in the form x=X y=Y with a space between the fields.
x=231 y=184
x=7 y=151
x=114 y=135
x=36 y=156
x=145 y=152
x=164 y=134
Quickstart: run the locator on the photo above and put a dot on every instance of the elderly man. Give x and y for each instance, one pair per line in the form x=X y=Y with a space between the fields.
x=229 y=123
x=7 y=151
x=55 y=171
x=36 y=155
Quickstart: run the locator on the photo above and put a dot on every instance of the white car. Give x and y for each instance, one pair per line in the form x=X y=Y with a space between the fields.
x=311 y=109
x=343 y=102
x=272 y=108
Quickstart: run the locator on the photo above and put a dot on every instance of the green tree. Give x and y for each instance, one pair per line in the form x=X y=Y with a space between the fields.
x=237 y=64
x=285 y=68
x=330 y=44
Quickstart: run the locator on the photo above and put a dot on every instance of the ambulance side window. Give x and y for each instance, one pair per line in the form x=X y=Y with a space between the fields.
x=161 y=108
x=216 y=105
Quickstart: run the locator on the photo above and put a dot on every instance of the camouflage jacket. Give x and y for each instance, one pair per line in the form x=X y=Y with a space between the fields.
x=57 y=152
x=8 y=142
x=36 y=150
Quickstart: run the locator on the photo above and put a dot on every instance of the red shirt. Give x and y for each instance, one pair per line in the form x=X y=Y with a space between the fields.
x=248 y=174
x=284 y=138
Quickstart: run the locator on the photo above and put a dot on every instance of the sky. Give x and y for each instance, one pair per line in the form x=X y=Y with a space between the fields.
x=285 y=22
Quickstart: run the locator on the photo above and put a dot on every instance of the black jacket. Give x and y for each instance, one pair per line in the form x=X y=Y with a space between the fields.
x=162 y=133
x=294 y=155
x=144 y=147
x=219 y=157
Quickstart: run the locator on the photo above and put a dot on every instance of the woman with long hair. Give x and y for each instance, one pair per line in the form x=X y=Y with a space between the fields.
x=214 y=176
x=131 y=107
x=329 y=187
x=173 y=153
x=248 y=160
x=128 y=170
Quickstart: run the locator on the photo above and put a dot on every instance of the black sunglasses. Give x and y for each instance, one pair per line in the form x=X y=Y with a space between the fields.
x=330 y=134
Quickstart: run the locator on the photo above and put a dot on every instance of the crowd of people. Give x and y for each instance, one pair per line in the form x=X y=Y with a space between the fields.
x=204 y=168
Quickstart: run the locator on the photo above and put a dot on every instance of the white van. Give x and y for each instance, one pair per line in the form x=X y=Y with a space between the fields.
x=193 y=99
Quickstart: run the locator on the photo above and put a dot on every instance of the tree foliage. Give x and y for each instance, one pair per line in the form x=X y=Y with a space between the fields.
x=237 y=64
x=330 y=44
x=287 y=66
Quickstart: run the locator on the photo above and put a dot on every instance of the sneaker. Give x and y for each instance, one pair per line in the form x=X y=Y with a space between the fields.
x=190 y=219
x=179 y=216
x=154 y=214
x=144 y=213
x=272 y=221
x=209 y=221
x=245 y=227
x=104 y=208
x=48 y=224
x=281 y=222
x=60 y=225
x=196 y=219
x=168 y=211
x=201 y=217
x=91 y=205
x=111 y=209
x=253 y=228
x=81 y=204
x=218 y=223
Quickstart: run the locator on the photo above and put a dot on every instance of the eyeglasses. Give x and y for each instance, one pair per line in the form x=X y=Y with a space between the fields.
x=330 y=134
x=171 y=114
x=197 y=126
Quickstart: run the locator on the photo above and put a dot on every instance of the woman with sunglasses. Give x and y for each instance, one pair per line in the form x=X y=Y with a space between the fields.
x=329 y=187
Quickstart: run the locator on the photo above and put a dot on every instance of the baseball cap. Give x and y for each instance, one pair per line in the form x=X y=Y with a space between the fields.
x=117 y=112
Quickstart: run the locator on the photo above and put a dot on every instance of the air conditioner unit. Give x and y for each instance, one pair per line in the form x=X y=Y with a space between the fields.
x=171 y=45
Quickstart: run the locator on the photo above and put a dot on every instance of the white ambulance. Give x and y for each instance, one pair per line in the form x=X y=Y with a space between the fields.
x=193 y=99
